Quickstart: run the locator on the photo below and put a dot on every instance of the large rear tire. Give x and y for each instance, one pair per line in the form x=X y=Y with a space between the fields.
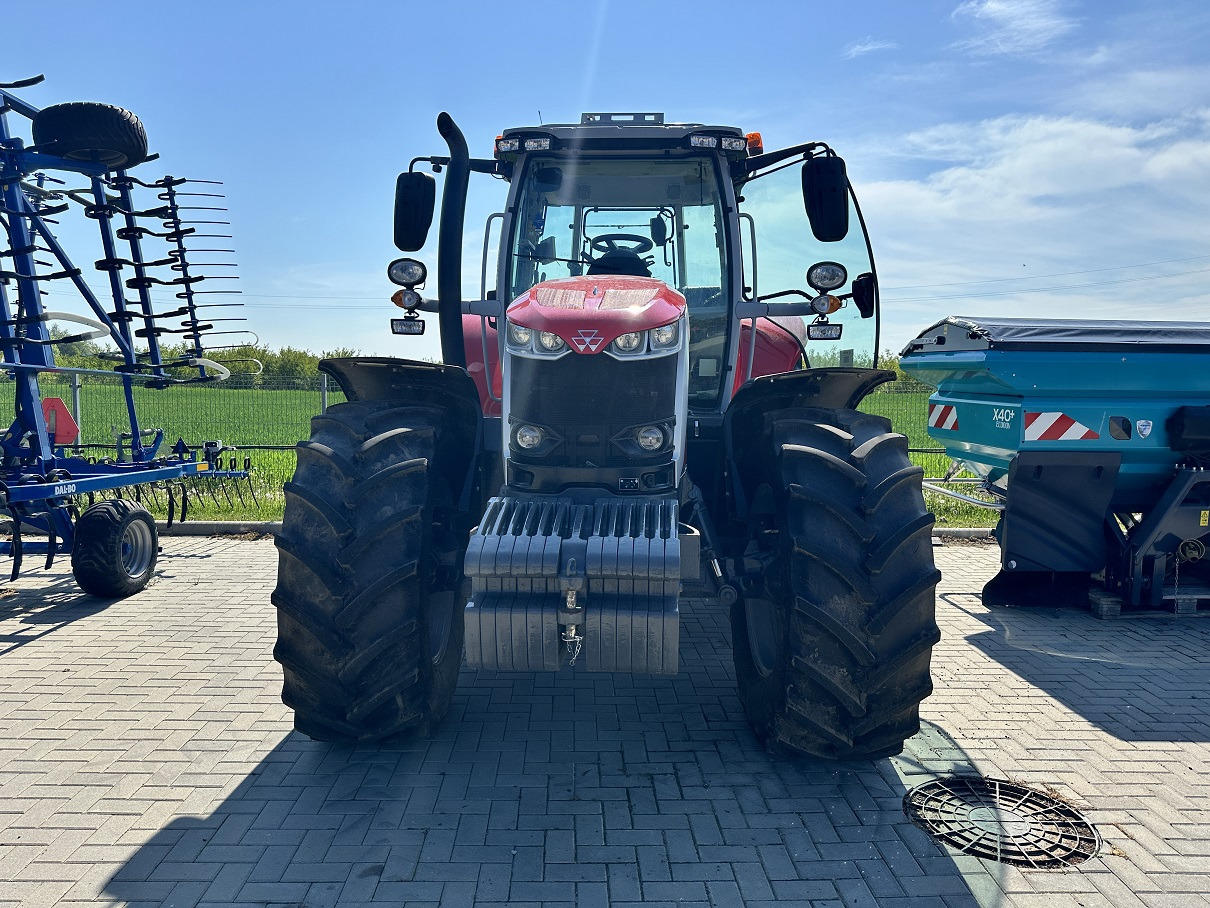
x=369 y=586
x=832 y=657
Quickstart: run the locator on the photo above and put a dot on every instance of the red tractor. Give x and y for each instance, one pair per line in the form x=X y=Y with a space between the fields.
x=637 y=401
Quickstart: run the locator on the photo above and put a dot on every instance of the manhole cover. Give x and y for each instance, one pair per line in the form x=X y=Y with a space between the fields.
x=1001 y=820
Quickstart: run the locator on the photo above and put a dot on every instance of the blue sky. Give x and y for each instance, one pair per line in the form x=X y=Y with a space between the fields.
x=1013 y=157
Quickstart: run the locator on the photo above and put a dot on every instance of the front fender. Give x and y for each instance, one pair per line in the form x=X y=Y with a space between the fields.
x=450 y=388
x=832 y=388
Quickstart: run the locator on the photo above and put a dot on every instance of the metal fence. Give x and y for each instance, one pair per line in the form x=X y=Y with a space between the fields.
x=256 y=412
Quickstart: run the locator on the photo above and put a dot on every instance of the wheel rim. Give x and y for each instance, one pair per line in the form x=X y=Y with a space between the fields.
x=761 y=618
x=138 y=548
x=439 y=618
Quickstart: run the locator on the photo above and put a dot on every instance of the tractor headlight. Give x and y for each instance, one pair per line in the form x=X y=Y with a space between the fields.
x=550 y=342
x=628 y=343
x=528 y=437
x=650 y=438
x=519 y=335
x=664 y=337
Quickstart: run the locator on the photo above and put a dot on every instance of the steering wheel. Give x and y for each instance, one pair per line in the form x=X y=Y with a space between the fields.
x=611 y=242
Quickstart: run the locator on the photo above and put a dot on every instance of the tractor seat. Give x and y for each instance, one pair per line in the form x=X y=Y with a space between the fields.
x=620 y=261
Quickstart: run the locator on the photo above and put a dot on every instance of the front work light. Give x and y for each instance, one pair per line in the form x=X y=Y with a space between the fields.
x=528 y=437
x=824 y=276
x=406 y=272
x=539 y=144
x=650 y=438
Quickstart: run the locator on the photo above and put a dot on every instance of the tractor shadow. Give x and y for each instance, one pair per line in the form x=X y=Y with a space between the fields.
x=567 y=788
x=1141 y=677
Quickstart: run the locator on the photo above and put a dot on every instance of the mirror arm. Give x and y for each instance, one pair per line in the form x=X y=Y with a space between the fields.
x=760 y=161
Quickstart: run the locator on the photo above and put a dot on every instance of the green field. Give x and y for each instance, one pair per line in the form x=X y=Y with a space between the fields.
x=249 y=417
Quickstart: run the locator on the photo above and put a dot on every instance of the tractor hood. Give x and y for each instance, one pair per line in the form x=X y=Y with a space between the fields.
x=590 y=312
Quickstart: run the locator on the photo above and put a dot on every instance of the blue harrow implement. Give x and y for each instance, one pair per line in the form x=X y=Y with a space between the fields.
x=49 y=486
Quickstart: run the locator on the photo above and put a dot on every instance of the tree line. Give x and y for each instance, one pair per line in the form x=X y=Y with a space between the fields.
x=268 y=365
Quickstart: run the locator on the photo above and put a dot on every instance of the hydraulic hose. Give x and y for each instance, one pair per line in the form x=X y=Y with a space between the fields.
x=449 y=242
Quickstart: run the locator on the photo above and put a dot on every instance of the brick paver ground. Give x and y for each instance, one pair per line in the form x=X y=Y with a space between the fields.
x=146 y=759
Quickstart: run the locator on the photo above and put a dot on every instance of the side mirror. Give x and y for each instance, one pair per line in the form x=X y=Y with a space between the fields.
x=865 y=294
x=659 y=230
x=825 y=192
x=545 y=252
x=415 y=201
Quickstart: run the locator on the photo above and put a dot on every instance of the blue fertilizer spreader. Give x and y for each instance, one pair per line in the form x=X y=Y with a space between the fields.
x=1093 y=440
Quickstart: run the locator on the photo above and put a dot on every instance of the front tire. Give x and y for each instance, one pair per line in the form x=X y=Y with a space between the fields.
x=369 y=593
x=832 y=656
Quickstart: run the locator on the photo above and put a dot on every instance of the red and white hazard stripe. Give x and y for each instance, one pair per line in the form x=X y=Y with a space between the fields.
x=943 y=416
x=1056 y=427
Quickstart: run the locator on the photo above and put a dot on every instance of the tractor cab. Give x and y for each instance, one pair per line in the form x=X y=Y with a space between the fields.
x=740 y=233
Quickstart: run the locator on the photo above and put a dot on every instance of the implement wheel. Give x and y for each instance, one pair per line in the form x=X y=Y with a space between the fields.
x=833 y=659
x=86 y=131
x=369 y=586
x=115 y=549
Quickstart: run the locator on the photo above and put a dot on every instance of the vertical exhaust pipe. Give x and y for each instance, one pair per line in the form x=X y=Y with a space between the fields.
x=449 y=242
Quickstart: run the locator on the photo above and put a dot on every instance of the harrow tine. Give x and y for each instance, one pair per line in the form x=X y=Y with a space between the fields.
x=210 y=482
x=184 y=502
x=251 y=487
x=171 y=503
x=16 y=544
x=52 y=542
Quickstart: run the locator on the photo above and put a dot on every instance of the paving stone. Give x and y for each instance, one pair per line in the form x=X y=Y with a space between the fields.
x=148 y=759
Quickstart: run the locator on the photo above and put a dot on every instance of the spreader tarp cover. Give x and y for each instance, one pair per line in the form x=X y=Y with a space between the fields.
x=980 y=333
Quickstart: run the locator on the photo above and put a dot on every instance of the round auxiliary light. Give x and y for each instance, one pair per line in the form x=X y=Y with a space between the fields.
x=628 y=343
x=824 y=276
x=529 y=437
x=519 y=334
x=663 y=337
x=406 y=272
x=650 y=438
x=550 y=342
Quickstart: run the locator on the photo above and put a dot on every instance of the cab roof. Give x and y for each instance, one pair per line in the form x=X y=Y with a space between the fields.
x=617 y=131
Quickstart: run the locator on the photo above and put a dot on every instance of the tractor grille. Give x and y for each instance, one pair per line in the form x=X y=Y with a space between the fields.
x=587 y=400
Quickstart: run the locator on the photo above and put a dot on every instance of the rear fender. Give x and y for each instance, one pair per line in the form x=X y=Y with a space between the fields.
x=833 y=388
x=432 y=384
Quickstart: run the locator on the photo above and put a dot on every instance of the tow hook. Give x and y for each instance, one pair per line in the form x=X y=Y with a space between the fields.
x=572 y=583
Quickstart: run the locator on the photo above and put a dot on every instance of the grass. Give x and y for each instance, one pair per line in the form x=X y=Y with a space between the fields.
x=247 y=418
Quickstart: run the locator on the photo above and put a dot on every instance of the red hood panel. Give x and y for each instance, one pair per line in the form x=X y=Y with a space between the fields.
x=590 y=312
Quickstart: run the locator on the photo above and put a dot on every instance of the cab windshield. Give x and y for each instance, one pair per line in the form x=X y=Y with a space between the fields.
x=653 y=218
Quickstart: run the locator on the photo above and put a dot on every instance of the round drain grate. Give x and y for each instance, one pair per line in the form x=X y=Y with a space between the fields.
x=1001 y=820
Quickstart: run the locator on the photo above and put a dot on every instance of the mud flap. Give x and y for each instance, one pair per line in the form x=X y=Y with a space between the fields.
x=1052 y=534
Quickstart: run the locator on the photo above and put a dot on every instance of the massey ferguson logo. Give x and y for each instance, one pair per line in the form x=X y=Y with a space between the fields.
x=587 y=340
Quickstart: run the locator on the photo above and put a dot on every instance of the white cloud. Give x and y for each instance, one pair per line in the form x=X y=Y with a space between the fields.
x=868 y=46
x=1009 y=27
x=1022 y=202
